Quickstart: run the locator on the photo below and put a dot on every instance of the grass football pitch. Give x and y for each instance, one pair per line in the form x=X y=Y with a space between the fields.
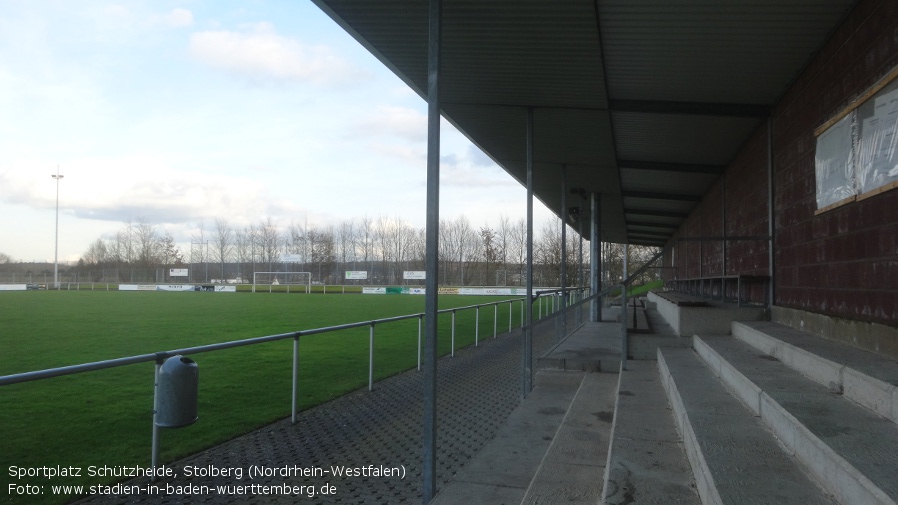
x=105 y=417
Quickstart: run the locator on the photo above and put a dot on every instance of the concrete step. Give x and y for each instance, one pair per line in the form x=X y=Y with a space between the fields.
x=645 y=346
x=594 y=347
x=734 y=457
x=571 y=471
x=646 y=462
x=847 y=447
x=637 y=322
x=503 y=469
x=865 y=377
x=713 y=318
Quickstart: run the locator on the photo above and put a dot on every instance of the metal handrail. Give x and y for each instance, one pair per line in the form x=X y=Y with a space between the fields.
x=160 y=356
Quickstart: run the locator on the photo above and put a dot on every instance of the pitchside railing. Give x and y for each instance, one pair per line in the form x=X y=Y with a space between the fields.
x=552 y=302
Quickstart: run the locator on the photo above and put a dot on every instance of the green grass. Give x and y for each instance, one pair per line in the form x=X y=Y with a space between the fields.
x=104 y=417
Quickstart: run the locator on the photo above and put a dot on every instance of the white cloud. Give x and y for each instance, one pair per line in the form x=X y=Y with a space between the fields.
x=96 y=188
x=403 y=122
x=179 y=18
x=260 y=52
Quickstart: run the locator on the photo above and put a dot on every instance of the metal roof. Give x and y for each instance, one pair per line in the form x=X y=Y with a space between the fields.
x=644 y=101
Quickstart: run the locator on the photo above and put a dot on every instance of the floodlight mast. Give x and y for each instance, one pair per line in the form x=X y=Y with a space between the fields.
x=56 y=247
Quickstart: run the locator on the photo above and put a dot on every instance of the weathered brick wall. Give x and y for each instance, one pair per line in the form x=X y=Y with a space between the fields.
x=843 y=262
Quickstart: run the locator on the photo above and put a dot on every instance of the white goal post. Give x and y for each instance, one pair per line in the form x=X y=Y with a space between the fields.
x=288 y=279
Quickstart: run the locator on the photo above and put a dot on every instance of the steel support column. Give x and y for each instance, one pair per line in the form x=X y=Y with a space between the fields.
x=431 y=306
x=580 y=270
x=723 y=226
x=626 y=259
x=770 y=217
x=527 y=355
x=595 y=257
x=563 y=300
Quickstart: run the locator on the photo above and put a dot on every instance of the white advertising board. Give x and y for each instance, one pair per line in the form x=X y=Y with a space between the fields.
x=290 y=258
x=414 y=275
x=174 y=287
x=493 y=291
x=374 y=291
x=13 y=287
x=177 y=272
x=356 y=275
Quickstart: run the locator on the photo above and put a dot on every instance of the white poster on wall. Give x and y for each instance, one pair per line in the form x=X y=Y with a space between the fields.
x=356 y=275
x=414 y=275
x=177 y=272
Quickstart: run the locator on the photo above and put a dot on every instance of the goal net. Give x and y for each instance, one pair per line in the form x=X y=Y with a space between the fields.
x=283 y=281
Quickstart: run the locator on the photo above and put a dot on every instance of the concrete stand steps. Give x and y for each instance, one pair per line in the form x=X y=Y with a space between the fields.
x=595 y=347
x=637 y=322
x=847 y=447
x=571 y=471
x=504 y=467
x=865 y=377
x=645 y=346
x=709 y=318
x=646 y=462
x=734 y=457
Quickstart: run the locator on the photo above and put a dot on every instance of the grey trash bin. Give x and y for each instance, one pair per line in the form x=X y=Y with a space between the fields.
x=178 y=393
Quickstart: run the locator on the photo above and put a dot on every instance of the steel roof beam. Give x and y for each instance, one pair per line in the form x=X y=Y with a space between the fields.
x=690 y=108
x=656 y=213
x=661 y=196
x=650 y=224
x=671 y=167
x=648 y=233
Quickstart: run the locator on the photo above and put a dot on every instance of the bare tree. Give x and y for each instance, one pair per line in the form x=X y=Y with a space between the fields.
x=365 y=244
x=547 y=253
x=198 y=250
x=322 y=251
x=518 y=248
x=491 y=255
x=269 y=243
x=503 y=240
x=96 y=253
x=224 y=236
x=147 y=242
x=169 y=253
x=346 y=243
x=243 y=251
x=298 y=242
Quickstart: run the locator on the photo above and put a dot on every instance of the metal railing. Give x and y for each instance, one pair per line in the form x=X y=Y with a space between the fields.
x=161 y=356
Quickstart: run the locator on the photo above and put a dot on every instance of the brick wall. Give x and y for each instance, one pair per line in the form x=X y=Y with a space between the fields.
x=843 y=262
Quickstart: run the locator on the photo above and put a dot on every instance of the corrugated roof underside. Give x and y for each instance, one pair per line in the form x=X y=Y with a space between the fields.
x=649 y=82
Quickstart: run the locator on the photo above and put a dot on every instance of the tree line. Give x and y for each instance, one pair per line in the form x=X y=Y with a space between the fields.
x=384 y=247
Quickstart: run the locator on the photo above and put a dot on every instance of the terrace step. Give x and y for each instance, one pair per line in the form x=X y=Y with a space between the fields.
x=572 y=468
x=734 y=457
x=502 y=470
x=594 y=347
x=865 y=377
x=847 y=447
x=646 y=462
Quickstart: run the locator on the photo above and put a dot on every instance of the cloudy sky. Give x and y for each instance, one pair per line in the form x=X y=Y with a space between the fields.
x=178 y=113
